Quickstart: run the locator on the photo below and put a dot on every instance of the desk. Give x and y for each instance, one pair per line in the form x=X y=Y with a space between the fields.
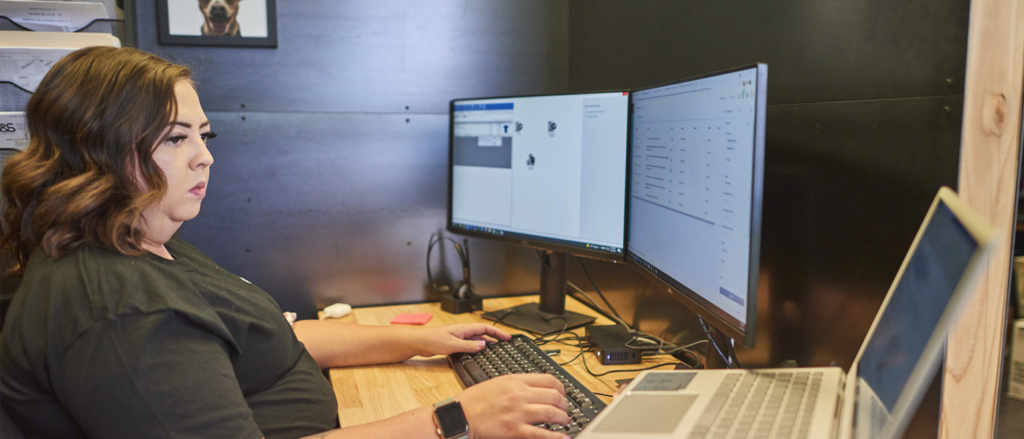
x=372 y=393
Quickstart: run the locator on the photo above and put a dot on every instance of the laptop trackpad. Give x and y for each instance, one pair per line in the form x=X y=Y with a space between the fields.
x=647 y=413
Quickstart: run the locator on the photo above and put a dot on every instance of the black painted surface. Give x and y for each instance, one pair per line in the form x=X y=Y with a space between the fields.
x=817 y=51
x=382 y=55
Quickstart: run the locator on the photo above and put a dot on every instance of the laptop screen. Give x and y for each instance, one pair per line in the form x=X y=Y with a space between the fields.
x=917 y=303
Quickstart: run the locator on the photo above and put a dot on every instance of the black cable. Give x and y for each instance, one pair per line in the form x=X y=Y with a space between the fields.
x=589 y=303
x=542 y=340
x=594 y=284
x=603 y=394
x=507 y=313
x=736 y=360
x=728 y=362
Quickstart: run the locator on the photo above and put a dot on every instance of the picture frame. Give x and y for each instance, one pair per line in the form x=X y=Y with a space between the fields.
x=224 y=23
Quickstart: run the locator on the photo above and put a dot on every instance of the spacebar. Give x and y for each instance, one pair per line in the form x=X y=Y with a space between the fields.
x=475 y=372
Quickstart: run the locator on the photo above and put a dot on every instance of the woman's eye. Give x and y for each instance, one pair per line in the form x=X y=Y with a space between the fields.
x=208 y=135
x=176 y=139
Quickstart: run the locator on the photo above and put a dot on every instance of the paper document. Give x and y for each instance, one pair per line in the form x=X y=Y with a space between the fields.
x=13 y=130
x=26 y=66
x=49 y=16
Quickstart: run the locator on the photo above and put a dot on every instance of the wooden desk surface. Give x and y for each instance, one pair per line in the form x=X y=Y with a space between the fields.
x=372 y=393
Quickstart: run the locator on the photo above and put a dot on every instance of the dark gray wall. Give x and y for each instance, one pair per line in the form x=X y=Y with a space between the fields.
x=332 y=152
x=864 y=110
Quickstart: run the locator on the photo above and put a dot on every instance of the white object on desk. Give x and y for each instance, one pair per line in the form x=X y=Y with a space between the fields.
x=336 y=311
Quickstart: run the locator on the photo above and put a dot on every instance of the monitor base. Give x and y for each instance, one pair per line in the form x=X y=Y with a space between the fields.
x=529 y=317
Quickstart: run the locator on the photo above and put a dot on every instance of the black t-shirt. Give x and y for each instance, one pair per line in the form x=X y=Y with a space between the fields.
x=98 y=344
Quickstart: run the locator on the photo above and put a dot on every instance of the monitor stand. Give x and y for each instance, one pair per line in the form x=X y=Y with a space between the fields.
x=549 y=316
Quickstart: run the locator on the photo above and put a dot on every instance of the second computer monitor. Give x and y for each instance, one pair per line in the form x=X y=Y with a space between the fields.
x=695 y=196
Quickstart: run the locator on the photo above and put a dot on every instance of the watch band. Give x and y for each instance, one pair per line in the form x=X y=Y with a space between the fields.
x=437 y=421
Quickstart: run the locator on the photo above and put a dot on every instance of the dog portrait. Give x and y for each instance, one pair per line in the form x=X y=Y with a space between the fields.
x=251 y=23
x=220 y=17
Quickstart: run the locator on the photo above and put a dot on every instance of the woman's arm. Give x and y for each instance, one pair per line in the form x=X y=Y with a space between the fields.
x=413 y=424
x=502 y=407
x=336 y=344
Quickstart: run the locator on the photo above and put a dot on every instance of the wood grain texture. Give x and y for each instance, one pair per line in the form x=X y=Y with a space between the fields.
x=988 y=182
x=372 y=393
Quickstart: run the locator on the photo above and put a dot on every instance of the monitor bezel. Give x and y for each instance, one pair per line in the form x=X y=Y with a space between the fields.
x=695 y=302
x=535 y=241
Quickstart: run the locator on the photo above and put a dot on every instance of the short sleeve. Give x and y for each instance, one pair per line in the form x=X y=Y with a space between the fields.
x=152 y=375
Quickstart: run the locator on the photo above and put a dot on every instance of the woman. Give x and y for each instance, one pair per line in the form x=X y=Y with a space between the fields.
x=119 y=329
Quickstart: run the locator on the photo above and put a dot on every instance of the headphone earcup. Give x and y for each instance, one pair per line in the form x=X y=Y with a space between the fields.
x=464 y=290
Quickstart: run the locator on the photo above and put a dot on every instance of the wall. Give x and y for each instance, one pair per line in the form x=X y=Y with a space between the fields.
x=864 y=109
x=331 y=160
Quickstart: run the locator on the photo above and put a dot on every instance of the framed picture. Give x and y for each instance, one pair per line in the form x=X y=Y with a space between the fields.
x=232 y=23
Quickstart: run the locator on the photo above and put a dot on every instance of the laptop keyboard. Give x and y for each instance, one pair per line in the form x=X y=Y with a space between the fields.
x=760 y=405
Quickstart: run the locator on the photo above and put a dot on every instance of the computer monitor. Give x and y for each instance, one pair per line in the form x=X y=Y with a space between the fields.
x=695 y=197
x=547 y=172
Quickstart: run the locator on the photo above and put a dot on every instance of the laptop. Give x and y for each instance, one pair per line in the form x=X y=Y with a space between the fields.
x=875 y=399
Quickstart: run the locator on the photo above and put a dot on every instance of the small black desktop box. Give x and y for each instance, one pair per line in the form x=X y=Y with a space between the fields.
x=609 y=343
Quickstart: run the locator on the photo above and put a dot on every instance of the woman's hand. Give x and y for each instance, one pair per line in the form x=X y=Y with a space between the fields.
x=445 y=340
x=506 y=406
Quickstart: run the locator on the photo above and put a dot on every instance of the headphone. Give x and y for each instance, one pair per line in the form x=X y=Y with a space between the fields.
x=464 y=288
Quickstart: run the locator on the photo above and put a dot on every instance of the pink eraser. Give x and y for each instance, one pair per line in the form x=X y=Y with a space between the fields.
x=412 y=319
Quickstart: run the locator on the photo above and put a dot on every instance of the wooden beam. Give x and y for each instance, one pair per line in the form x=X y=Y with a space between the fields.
x=989 y=154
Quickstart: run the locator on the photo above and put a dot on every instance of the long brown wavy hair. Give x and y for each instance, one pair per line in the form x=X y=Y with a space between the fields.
x=88 y=174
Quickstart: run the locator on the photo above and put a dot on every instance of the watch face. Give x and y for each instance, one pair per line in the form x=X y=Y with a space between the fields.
x=451 y=419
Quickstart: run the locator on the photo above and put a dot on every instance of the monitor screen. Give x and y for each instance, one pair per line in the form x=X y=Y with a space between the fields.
x=547 y=171
x=695 y=196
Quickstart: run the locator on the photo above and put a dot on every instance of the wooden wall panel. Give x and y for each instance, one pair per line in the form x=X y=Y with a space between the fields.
x=989 y=155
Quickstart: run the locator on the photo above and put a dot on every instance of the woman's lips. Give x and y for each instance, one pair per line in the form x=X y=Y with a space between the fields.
x=199 y=190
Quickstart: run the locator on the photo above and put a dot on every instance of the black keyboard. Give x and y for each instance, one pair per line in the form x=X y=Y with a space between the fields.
x=522 y=355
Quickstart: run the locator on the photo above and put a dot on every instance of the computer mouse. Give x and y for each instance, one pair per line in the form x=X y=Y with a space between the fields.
x=336 y=311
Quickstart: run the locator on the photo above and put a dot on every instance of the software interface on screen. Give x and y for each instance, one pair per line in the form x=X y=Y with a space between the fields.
x=552 y=167
x=916 y=305
x=692 y=185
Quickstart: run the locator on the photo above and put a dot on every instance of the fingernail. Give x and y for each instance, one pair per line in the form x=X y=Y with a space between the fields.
x=481 y=344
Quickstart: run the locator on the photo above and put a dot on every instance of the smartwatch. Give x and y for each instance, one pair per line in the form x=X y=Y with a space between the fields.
x=450 y=420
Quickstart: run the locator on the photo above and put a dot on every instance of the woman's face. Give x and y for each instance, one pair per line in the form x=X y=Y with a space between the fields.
x=183 y=157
